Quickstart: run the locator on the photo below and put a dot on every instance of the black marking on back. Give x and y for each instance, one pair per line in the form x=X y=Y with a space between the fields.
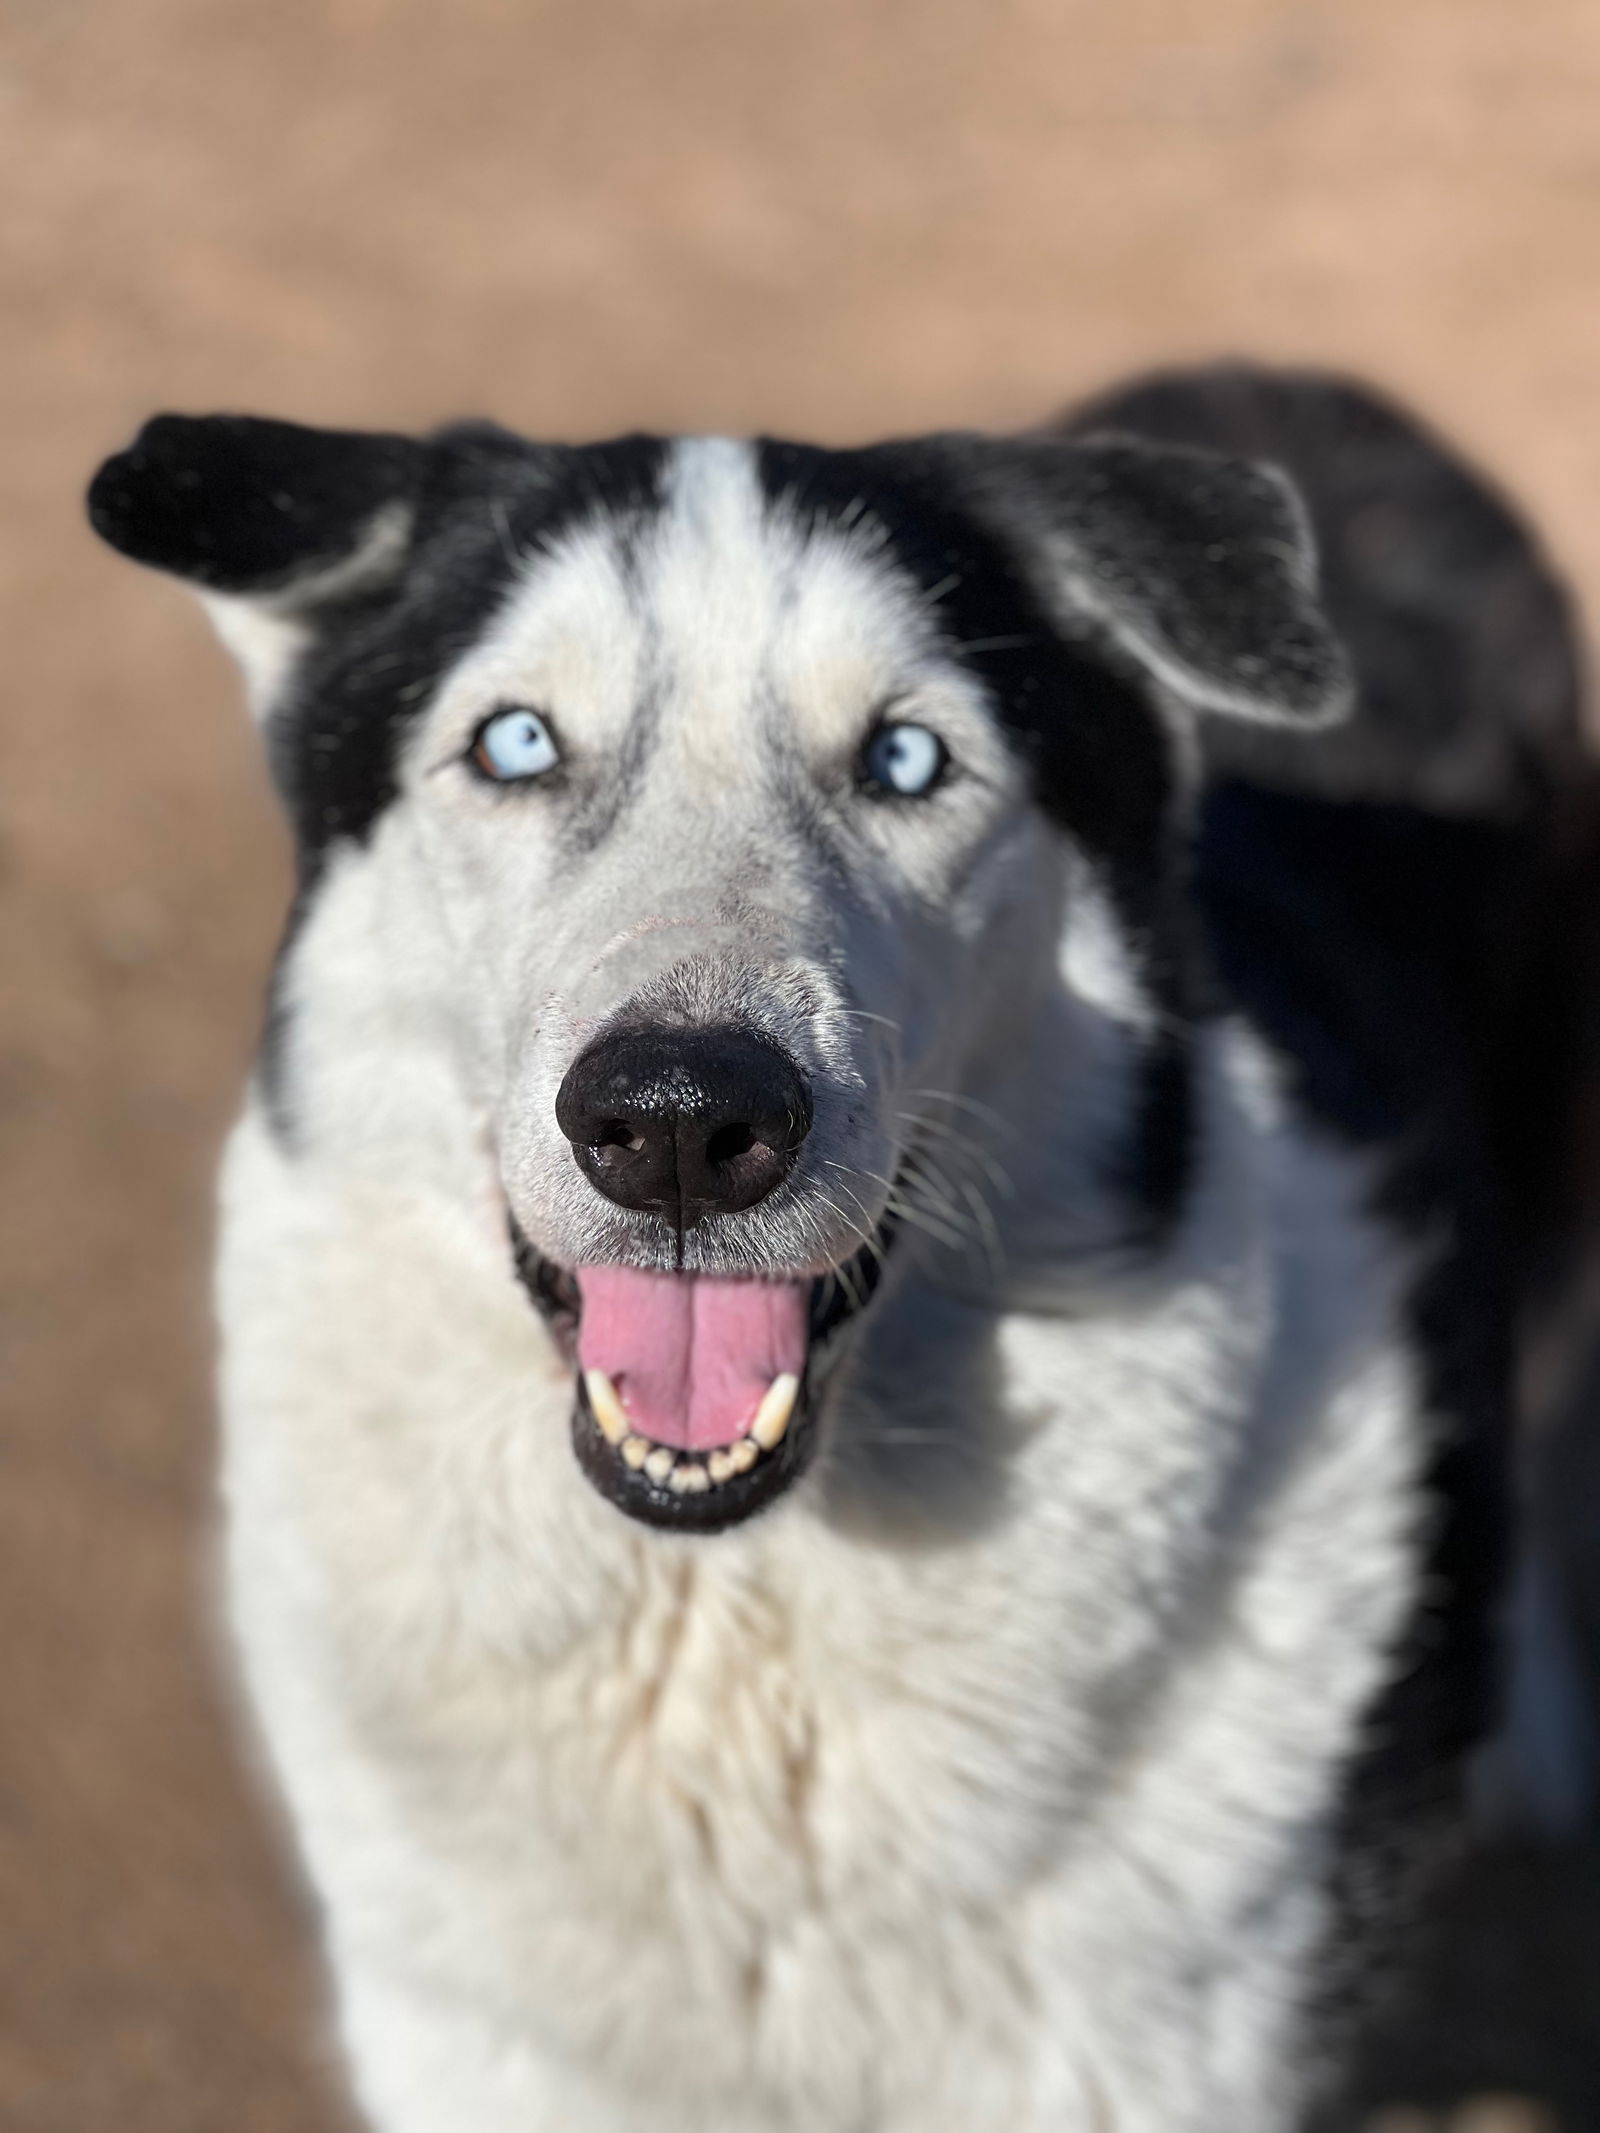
x=1431 y=978
x=1378 y=948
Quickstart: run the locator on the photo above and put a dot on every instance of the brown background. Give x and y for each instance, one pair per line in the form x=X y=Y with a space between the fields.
x=835 y=217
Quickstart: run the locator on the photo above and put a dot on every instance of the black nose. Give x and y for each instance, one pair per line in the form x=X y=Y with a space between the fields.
x=684 y=1122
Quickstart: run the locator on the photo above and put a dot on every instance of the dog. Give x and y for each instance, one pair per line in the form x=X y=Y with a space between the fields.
x=871 y=1277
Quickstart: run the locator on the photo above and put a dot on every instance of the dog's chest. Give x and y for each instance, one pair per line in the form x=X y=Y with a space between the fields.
x=821 y=1827
x=706 y=1852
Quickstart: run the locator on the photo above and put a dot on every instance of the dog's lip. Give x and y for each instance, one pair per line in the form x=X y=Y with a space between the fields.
x=838 y=1296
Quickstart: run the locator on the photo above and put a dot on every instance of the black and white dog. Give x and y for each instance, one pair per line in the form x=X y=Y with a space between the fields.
x=868 y=1284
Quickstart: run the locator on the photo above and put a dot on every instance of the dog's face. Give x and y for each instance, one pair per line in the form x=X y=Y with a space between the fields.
x=743 y=794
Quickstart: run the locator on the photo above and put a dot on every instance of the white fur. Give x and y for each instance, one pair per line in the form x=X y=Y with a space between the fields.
x=820 y=1824
x=988 y=1780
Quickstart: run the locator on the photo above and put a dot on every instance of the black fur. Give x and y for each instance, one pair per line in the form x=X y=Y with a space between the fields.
x=1199 y=563
x=243 y=505
x=1401 y=903
x=1462 y=639
x=1355 y=937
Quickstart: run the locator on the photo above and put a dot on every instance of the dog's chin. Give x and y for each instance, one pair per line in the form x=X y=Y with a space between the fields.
x=674 y=1487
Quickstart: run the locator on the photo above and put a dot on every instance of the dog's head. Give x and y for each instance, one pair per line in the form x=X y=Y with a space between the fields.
x=704 y=821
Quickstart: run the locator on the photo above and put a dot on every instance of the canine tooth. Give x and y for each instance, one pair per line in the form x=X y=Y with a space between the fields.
x=635 y=1451
x=659 y=1464
x=743 y=1455
x=720 y=1465
x=689 y=1479
x=609 y=1411
x=772 y=1416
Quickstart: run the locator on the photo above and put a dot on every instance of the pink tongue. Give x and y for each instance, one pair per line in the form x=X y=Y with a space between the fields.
x=691 y=1355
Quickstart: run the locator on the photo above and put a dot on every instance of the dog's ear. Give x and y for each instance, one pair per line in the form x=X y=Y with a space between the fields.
x=268 y=521
x=1200 y=567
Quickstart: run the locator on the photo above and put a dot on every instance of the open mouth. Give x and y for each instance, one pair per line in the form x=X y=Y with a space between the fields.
x=696 y=1395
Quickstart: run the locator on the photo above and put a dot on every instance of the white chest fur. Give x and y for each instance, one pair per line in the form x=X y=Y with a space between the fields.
x=993 y=1798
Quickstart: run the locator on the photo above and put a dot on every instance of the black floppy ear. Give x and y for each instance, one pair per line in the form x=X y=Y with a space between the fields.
x=242 y=505
x=1201 y=567
x=267 y=520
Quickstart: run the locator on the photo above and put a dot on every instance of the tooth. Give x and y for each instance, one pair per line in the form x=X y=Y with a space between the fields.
x=659 y=1464
x=772 y=1416
x=635 y=1451
x=609 y=1411
x=743 y=1455
x=720 y=1465
x=690 y=1479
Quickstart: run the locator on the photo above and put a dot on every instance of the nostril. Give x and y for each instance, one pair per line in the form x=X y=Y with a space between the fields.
x=617 y=1133
x=729 y=1142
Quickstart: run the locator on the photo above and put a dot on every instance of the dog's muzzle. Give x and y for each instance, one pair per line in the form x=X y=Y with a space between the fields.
x=696 y=1393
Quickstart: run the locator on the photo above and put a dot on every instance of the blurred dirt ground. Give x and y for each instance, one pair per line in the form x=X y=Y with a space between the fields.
x=835 y=217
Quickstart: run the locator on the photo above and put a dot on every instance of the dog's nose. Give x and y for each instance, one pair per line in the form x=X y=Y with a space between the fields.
x=684 y=1122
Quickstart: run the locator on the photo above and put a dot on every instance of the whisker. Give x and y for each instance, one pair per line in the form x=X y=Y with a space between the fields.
x=868 y=1230
x=935 y=1187
x=897 y=1203
x=864 y=1014
x=963 y=1145
x=961 y=1203
x=856 y=1171
x=986 y=1112
x=989 y=1230
x=856 y=1224
x=842 y=1278
x=919 y=1218
x=881 y=1433
x=995 y=644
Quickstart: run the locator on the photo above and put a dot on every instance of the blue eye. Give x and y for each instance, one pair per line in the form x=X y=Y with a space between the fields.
x=515 y=744
x=908 y=760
